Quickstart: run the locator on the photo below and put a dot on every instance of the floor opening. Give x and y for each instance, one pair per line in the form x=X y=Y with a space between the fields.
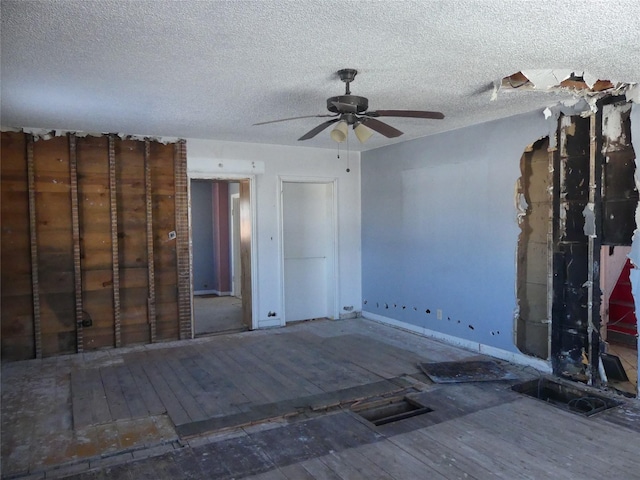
x=391 y=410
x=566 y=396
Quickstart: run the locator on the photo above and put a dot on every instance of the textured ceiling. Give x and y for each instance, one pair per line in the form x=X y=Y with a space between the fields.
x=211 y=69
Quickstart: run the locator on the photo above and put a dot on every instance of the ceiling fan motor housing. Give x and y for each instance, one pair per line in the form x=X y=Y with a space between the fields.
x=347 y=104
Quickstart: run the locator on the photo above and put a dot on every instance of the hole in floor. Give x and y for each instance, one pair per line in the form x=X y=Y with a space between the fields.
x=390 y=410
x=566 y=397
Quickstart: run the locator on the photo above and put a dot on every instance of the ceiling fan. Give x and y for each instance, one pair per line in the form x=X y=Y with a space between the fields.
x=351 y=110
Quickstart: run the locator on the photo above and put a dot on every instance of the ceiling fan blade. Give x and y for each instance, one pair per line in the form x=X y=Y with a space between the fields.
x=407 y=113
x=294 y=118
x=381 y=127
x=314 y=131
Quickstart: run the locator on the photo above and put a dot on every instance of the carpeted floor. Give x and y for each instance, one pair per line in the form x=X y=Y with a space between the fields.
x=215 y=314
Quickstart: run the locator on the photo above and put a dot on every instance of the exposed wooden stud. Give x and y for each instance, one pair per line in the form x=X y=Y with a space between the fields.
x=113 y=203
x=75 y=225
x=151 y=299
x=37 y=327
x=182 y=239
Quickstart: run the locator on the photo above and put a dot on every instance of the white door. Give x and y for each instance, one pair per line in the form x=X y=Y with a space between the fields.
x=308 y=246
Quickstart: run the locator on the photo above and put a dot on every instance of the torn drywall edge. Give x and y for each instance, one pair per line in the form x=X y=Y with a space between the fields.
x=547 y=79
x=513 y=357
x=589 y=215
x=612 y=128
x=634 y=254
x=633 y=94
x=48 y=133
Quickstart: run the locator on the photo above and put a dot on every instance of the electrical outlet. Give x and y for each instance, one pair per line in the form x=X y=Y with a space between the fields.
x=439 y=314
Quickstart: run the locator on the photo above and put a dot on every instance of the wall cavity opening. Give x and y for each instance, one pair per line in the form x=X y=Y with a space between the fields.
x=534 y=204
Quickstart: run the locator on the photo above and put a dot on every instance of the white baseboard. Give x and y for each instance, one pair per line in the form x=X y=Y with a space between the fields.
x=513 y=357
x=211 y=292
x=270 y=323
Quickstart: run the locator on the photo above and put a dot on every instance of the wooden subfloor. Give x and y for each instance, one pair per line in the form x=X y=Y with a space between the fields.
x=279 y=404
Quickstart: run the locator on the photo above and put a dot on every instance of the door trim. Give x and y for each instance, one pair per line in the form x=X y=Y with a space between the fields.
x=333 y=181
x=254 y=244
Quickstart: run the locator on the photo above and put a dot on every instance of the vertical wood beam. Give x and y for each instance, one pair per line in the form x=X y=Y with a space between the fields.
x=113 y=204
x=35 y=286
x=182 y=239
x=75 y=225
x=151 y=299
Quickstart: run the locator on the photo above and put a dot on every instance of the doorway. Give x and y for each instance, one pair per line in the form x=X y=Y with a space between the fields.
x=218 y=265
x=309 y=243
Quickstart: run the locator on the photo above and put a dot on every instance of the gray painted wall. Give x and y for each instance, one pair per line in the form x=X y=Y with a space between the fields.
x=202 y=235
x=439 y=229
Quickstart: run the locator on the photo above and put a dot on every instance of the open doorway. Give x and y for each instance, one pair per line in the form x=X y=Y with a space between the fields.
x=619 y=328
x=619 y=321
x=219 y=303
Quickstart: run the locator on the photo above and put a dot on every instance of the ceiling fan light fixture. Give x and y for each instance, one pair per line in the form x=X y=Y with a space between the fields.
x=340 y=131
x=363 y=133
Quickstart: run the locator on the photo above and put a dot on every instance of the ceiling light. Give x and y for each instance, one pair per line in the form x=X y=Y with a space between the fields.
x=363 y=133
x=339 y=133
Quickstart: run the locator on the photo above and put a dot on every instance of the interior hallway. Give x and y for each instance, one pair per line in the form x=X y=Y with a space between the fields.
x=277 y=404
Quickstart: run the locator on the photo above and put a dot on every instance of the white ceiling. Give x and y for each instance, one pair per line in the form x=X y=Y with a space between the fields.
x=210 y=69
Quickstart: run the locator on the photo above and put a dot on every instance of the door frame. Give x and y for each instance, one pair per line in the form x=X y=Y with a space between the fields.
x=254 y=245
x=235 y=255
x=333 y=181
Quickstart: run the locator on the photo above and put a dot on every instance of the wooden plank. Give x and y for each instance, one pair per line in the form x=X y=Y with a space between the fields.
x=397 y=462
x=115 y=397
x=174 y=409
x=114 y=241
x=81 y=396
x=180 y=389
x=296 y=472
x=182 y=239
x=448 y=462
x=556 y=449
x=75 y=222
x=319 y=470
x=229 y=399
x=35 y=284
x=131 y=392
x=147 y=391
x=203 y=397
x=151 y=300
x=95 y=231
x=499 y=452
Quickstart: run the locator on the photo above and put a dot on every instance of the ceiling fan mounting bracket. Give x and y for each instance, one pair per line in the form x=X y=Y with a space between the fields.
x=347 y=74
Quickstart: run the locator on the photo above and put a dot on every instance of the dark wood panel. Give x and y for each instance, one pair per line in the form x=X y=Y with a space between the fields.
x=16 y=306
x=114 y=253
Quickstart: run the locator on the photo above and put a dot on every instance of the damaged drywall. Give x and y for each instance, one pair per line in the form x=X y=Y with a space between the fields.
x=579 y=85
x=47 y=134
x=533 y=206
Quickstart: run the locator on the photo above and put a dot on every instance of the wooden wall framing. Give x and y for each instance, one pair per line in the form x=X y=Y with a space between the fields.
x=94 y=244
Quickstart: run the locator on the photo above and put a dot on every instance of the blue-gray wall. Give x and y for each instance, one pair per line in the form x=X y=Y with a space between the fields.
x=439 y=229
x=202 y=235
